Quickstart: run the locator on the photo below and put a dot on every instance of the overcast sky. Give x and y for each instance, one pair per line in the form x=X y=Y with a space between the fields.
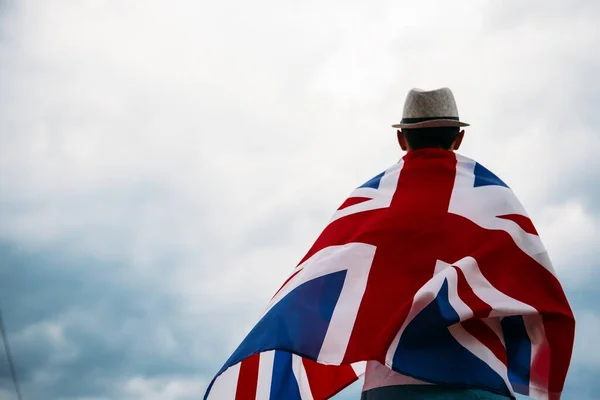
x=164 y=165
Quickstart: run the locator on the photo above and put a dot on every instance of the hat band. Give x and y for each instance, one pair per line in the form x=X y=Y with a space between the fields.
x=417 y=120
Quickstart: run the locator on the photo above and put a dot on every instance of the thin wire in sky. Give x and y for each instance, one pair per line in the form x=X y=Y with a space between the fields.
x=11 y=364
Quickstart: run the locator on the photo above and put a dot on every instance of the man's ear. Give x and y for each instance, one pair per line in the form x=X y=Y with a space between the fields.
x=402 y=140
x=458 y=140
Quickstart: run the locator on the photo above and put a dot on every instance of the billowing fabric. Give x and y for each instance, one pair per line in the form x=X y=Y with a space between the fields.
x=432 y=268
x=379 y=375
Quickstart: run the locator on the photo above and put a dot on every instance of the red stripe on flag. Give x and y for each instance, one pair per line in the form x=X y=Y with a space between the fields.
x=500 y=263
x=554 y=358
x=286 y=281
x=352 y=201
x=476 y=327
x=479 y=329
x=248 y=378
x=402 y=266
x=521 y=220
x=540 y=366
x=327 y=380
x=465 y=292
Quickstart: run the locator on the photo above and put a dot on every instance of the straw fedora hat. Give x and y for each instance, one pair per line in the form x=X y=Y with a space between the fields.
x=429 y=109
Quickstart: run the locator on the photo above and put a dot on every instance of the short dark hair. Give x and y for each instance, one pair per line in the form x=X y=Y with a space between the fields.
x=425 y=138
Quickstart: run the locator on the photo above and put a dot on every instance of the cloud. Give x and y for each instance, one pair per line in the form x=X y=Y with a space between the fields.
x=165 y=388
x=572 y=231
x=586 y=353
x=162 y=168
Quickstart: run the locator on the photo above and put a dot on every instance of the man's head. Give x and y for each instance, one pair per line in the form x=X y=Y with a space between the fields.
x=447 y=138
x=430 y=120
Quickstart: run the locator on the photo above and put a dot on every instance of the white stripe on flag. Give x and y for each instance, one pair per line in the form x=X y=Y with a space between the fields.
x=379 y=198
x=494 y=325
x=225 y=385
x=357 y=258
x=537 y=335
x=467 y=340
x=265 y=375
x=483 y=204
x=502 y=304
x=482 y=352
x=462 y=309
x=424 y=296
x=359 y=368
x=301 y=378
x=539 y=394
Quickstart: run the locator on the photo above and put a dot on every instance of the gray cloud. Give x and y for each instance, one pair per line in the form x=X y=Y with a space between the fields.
x=81 y=330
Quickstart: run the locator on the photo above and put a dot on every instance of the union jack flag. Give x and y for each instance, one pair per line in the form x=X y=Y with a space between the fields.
x=432 y=268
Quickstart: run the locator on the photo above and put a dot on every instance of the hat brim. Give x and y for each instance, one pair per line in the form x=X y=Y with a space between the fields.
x=434 y=123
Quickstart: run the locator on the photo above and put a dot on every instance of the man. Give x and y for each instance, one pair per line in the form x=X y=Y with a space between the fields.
x=430 y=121
x=430 y=272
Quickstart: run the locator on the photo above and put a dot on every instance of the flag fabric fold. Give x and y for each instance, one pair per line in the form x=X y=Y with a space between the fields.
x=432 y=268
